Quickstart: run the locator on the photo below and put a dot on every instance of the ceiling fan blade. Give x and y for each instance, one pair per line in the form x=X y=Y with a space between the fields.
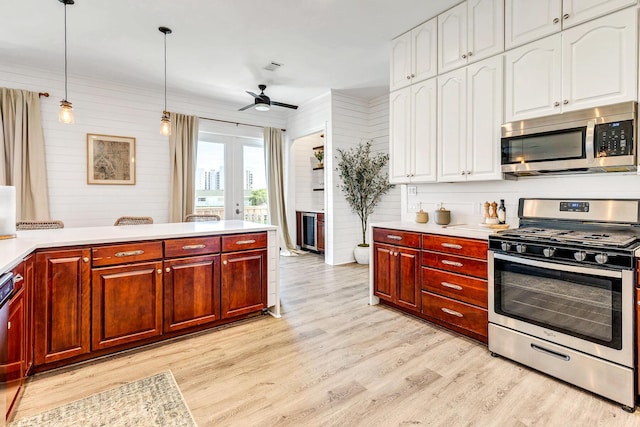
x=246 y=107
x=280 y=104
x=253 y=94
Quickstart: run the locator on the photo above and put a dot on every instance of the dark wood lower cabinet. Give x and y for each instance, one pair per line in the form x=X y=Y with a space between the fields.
x=397 y=275
x=244 y=282
x=191 y=292
x=127 y=304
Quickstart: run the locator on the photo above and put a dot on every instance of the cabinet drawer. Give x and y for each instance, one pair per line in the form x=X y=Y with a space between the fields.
x=396 y=237
x=456 y=264
x=455 y=245
x=127 y=253
x=463 y=288
x=177 y=248
x=463 y=315
x=242 y=242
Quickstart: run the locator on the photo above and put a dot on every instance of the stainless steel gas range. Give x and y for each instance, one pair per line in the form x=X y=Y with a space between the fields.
x=561 y=292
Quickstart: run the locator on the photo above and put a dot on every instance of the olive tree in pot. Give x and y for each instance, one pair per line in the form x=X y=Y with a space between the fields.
x=364 y=182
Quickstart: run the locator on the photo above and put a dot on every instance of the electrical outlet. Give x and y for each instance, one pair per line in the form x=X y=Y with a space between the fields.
x=412 y=190
x=413 y=207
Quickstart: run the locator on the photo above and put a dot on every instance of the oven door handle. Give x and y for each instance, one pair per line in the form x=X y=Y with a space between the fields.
x=617 y=274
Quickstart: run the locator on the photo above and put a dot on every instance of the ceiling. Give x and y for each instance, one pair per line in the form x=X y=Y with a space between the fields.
x=218 y=47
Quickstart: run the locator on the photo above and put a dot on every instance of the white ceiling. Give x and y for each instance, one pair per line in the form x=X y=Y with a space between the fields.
x=218 y=47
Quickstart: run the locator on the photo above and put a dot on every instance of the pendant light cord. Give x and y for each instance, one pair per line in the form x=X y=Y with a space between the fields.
x=65 y=51
x=165 y=72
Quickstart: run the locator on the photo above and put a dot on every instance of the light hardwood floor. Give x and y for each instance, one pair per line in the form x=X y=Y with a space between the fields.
x=333 y=360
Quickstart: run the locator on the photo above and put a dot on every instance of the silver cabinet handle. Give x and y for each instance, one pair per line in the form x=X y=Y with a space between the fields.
x=453 y=263
x=565 y=16
x=394 y=237
x=413 y=75
x=470 y=53
x=556 y=20
x=224 y=262
x=159 y=271
x=129 y=253
x=408 y=77
x=245 y=242
x=451 y=285
x=556 y=104
x=190 y=247
x=85 y=259
x=168 y=270
x=451 y=245
x=451 y=312
x=565 y=102
x=464 y=56
x=8 y=325
x=18 y=278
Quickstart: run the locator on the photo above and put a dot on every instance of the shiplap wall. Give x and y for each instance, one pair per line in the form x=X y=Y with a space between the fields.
x=307 y=179
x=105 y=107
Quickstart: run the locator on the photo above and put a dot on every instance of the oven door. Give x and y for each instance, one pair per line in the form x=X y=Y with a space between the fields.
x=587 y=309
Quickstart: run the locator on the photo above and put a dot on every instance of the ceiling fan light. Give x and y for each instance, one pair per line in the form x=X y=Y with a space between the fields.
x=263 y=107
x=66 y=112
x=165 y=124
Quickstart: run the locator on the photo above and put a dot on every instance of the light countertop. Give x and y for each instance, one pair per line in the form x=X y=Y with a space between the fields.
x=12 y=251
x=472 y=231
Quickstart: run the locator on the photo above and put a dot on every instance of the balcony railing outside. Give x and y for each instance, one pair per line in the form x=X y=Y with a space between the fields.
x=259 y=214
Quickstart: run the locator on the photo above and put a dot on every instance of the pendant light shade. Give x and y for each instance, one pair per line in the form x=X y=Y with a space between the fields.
x=66 y=110
x=165 y=121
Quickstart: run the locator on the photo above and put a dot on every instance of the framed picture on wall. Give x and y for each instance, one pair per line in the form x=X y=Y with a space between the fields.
x=111 y=159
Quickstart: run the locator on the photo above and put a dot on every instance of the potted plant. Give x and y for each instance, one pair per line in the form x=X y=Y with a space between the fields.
x=364 y=182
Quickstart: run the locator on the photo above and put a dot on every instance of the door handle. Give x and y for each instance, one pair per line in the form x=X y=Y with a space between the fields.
x=238 y=211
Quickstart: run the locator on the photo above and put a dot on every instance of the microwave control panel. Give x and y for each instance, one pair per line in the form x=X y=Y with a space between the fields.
x=614 y=139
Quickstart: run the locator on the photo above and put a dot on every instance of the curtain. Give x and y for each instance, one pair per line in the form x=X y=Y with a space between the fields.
x=22 y=155
x=183 y=143
x=275 y=188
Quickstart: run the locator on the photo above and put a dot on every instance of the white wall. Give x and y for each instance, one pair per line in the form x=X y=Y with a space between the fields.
x=112 y=108
x=307 y=180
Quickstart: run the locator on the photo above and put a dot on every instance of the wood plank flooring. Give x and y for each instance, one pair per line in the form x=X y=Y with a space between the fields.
x=333 y=360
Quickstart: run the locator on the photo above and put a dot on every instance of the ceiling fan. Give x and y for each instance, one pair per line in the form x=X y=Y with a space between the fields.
x=263 y=103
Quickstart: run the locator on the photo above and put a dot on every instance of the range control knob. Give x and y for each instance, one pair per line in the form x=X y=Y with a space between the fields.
x=580 y=255
x=549 y=252
x=521 y=248
x=505 y=246
x=602 y=258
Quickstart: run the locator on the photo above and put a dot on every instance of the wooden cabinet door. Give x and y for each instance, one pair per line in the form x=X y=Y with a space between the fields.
x=424 y=48
x=29 y=282
x=526 y=20
x=299 y=228
x=586 y=81
x=384 y=271
x=244 y=282
x=485 y=29
x=452 y=135
x=577 y=11
x=191 y=292
x=400 y=61
x=62 y=305
x=408 y=278
x=15 y=370
x=320 y=232
x=533 y=85
x=127 y=304
x=399 y=135
x=484 y=117
x=452 y=38
x=422 y=154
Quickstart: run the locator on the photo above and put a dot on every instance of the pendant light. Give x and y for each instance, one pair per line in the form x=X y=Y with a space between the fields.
x=165 y=121
x=66 y=110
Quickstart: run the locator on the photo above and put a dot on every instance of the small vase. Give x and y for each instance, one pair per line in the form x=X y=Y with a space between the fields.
x=361 y=254
x=320 y=165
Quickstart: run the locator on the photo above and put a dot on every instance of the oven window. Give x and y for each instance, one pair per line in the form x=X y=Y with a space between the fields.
x=580 y=305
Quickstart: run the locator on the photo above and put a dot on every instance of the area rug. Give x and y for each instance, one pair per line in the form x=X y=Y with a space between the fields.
x=152 y=401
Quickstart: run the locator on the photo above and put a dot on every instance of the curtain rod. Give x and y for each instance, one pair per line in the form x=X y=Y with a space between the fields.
x=45 y=94
x=235 y=123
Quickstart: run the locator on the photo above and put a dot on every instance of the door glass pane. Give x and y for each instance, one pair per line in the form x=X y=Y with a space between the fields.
x=254 y=187
x=210 y=179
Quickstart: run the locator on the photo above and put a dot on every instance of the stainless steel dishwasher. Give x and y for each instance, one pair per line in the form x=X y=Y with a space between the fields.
x=6 y=288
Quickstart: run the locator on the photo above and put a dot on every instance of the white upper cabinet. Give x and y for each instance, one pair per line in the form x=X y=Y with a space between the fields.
x=469 y=32
x=413 y=55
x=412 y=142
x=527 y=20
x=586 y=66
x=469 y=119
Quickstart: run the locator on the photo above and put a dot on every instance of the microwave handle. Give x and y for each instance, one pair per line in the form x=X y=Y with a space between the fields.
x=589 y=140
x=558 y=267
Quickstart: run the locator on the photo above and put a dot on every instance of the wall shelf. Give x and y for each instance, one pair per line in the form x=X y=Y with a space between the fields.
x=318 y=168
x=318 y=189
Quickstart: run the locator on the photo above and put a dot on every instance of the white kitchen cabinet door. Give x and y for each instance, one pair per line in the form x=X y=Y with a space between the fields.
x=400 y=75
x=423 y=147
x=452 y=38
x=424 y=51
x=484 y=117
x=399 y=135
x=529 y=20
x=452 y=137
x=533 y=79
x=575 y=12
x=600 y=61
x=485 y=29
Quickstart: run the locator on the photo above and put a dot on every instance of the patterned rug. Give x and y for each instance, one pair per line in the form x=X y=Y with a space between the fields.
x=152 y=401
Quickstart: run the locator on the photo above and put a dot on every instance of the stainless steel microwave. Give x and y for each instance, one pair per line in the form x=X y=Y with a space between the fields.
x=592 y=140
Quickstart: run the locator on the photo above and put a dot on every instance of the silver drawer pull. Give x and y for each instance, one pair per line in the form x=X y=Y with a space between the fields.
x=245 y=242
x=18 y=278
x=451 y=245
x=190 y=247
x=451 y=312
x=453 y=263
x=394 y=237
x=451 y=285
x=129 y=253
